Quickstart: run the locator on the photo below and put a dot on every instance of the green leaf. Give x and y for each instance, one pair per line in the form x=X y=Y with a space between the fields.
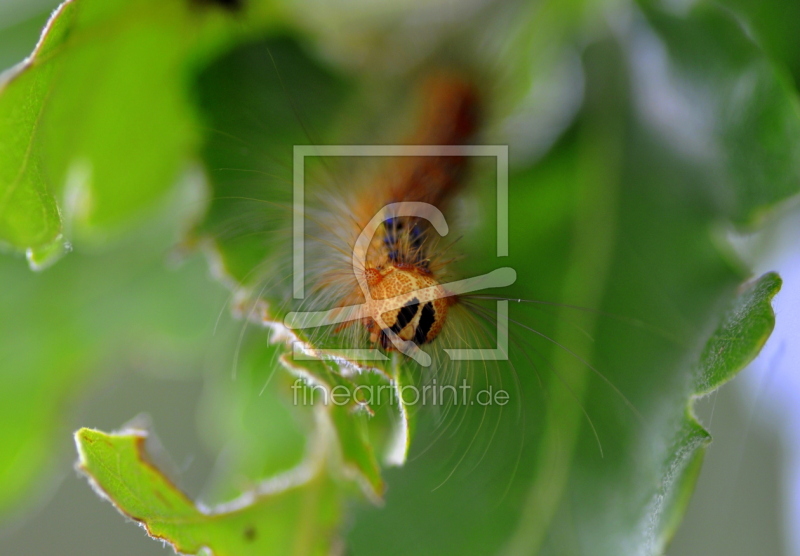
x=596 y=452
x=241 y=247
x=738 y=338
x=371 y=431
x=742 y=333
x=247 y=415
x=349 y=419
x=95 y=125
x=297 y=516
x=65 y=331
x=620 y=217
x=28 y=212
x=770 y=23
x=741 y=108
x=249 y=151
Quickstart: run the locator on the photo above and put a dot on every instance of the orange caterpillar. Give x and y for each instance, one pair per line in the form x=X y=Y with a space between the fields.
x=400 y=260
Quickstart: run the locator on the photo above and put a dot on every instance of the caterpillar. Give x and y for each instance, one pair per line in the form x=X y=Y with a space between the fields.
x=409 y=261
x=397 y=290
x=397 y=293
x=401 y=260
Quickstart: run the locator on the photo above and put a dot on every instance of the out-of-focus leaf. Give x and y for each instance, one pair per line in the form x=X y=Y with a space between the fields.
x=627 y=213
x=348 y=418
x=247 y=213
x=95 y=124
x=108 y=311
x=29 y=214
x=248 y=155
x=247 y=416
x=722 y=101
x=19 y=36
x=297 y=516
x=594 y=453
x=739 y=337
x=771 y=23
x=371 y=431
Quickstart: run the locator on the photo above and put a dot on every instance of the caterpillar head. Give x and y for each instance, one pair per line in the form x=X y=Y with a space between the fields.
x=412 y=304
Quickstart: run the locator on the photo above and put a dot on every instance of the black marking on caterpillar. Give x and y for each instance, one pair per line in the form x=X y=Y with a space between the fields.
x=405 y=315
x=426 y=320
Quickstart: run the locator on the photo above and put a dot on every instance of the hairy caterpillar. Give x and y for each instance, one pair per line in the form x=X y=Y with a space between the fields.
x=401 y=260
x=406 y=256
x=551 y=358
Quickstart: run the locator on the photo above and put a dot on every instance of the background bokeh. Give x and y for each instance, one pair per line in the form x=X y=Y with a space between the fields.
x=746 y=501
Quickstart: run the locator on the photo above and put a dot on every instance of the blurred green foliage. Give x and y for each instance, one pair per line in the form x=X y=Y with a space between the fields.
x=290 y=520
x=688 y=123
x=106 y=78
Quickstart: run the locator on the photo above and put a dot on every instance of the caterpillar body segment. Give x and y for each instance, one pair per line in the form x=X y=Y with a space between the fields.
x=403 y=256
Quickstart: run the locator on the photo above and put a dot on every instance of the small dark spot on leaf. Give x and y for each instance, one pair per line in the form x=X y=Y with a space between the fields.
x=250 y=533
x=230 y=5
x=162 y=498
